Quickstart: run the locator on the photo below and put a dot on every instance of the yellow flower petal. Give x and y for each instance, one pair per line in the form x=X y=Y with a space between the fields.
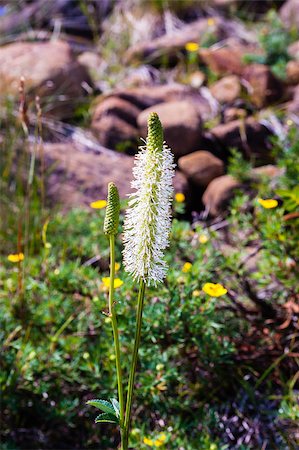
x=117 y=282
x=15 y=257
x=211 y=22
x=187 y=267
x=99 y=204
x=214 y=290
x=162 y=386
x=149 y=442
x=116 y=266
x=203 y=238
x=192 y=46
x=268 y=203
x=179 y=197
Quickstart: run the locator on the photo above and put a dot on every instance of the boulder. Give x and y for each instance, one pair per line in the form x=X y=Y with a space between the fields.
x=264 y=87
x=248 y=135
x=51 y=71
x=78 y=177
x=168 y=45
x=227 y=90
x=201 y=167
x=293 y=50
x=218 y=194
x=115 y=106
x=146 y=96
x=293 y=106
x=226 y=60
x=114 y=132
x=182 y=125
x=233 y=113
x=292 y=73
x=289 y=14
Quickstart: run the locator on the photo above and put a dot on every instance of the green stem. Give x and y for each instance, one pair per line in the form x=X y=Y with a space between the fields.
x=140 y=302
x=112 y=316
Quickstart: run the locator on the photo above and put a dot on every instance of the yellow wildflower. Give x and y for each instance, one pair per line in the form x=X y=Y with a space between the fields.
x=15 y=257
x=116 y=266
x=148 y=441
x=117 y=282
x=187 y=267
x=203 y=238
x=214 y=290
x=196 y=293
x=98 y=204
x=159 y=367
x=160 y=440
x=179 y=197
x=192 y=46
x=211 y=21
x=86 y=355
x=268 y=203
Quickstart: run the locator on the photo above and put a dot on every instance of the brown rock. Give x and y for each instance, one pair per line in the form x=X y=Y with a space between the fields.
x=293 y=106
x=264 y=86
x=180 y=183
x=79 y=177
x=292 y=70
x=232 y=113
x=181 y=122
x=269 y=171
x=226 y=90
x=248 y=135
x=114 y=132
x=226 y=60
x=50 y=70
x=293 y=50
x=92 y=63
x=170 y=44
x=201 y=167
x=218 y=194
x=289 y=14
x=115 y=106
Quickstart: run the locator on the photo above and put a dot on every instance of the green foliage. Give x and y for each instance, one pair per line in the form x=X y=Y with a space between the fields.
x=274 y=40
x=238 y=167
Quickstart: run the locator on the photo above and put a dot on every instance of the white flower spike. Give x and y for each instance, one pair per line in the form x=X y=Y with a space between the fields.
x=148 y=218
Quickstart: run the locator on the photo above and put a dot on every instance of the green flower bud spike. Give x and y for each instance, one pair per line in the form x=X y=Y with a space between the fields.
x=155 y=133
x=112 y=211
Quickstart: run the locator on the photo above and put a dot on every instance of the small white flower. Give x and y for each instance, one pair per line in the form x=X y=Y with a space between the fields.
x=148 y=218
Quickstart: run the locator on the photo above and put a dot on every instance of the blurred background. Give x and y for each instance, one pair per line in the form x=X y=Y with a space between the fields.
x=78 y=79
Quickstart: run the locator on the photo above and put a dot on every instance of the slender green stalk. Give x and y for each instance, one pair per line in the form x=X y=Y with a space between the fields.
x=140 y=302
x=112 y=316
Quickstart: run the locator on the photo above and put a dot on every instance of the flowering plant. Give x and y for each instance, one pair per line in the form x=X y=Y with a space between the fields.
x=146 y=236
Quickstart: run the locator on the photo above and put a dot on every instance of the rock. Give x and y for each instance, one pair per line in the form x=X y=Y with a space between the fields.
x=230 y=114
x=293 y=106
x=51 y=72
x=226 y=60
x=289 y=14
x=201 y=167
x=115 y=106
x=181 y=122
x=248 y=135
x=226 y=90
x=168 y=45
x=292 y=72
x=146 y=96
x=114 y=132
x=293 y=50
x=264 y=86
x=78 y=177
x=218 y=194
x=92 y=63
x=180 y=183
x=270 y=171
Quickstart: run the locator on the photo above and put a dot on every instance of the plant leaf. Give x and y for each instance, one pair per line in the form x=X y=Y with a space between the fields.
x=115 y=405
x=103 y=405
x=106 y=417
